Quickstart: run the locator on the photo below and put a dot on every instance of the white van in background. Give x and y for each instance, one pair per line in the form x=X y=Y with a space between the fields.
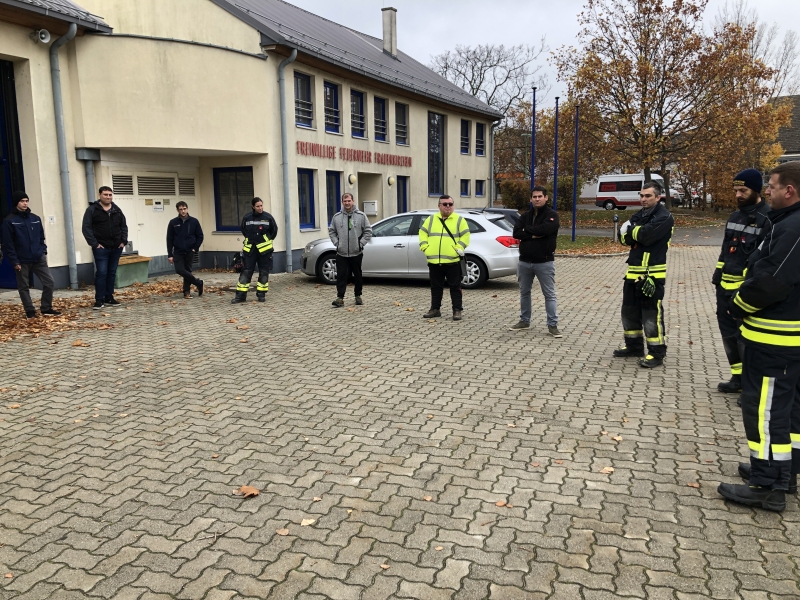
x=621 y=191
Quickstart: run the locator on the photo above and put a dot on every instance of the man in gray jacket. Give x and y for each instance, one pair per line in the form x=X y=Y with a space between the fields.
x=350 y=231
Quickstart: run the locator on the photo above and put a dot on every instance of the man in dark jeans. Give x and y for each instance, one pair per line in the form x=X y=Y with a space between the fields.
x=106 y=231
x=23 y=243
x=184 y=237
x=349 y=231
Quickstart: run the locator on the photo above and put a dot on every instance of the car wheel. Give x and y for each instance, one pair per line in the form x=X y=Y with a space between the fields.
x=477 y=274
x=609 y=205
x=326 y=268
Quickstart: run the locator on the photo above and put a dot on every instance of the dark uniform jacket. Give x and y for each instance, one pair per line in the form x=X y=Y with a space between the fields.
x=258 y=230
x=183 y=236
x=543 y=224
x=648 y=236
x=23 y=238
x=769 y=299
x=745 y=230
x=105 y=227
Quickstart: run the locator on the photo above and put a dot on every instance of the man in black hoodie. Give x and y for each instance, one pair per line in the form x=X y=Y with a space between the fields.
x=106 y=231
x=537 y=231
x=184 y=237
x=23 y=244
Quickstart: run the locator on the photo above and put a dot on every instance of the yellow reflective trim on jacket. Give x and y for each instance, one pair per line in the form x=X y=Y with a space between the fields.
x=736 y=369
x=635 y=232
x=737 y=300
x=770 y=339
x=646 y=258
x=793 y=326
x=726 y=285
x=720 y=265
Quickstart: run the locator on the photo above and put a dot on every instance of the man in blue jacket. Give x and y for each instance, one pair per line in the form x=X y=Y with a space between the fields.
x=184 y=237
x=23 y=245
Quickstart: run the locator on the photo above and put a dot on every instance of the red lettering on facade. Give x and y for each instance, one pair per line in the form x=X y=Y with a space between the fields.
x=351 y=155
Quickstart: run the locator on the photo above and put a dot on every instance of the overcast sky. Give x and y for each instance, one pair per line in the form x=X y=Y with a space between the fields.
x=428 y=27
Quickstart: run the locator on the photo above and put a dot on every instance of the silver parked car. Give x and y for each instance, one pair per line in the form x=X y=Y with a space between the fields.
x=394 y=250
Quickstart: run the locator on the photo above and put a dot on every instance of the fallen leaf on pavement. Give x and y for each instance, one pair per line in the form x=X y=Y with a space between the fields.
x=8 y=575
x=509 y=506
x=243 y=340
x=397 y=304
x=693 y=485
x=624 y=420
x=500 y=503
x=511 y=425
x=104 y=327
x=603 y=433
x=351 y=309
x=558 y=462
x=534 y=464
x=232 y=320
x=215 y=456
x=384 y=567
x=80 y=343
x=409 y=310
x=247 y=491
x=14 y=406
x=305 y=522
x=430 y=416
x=79 y=420
x=243 y=327
x=163 y=323
x=316 y=499
x=123 y=414
x=616 y=438
x=607 y=470
x=439 y=548
x=282 y=531
x=427 y=498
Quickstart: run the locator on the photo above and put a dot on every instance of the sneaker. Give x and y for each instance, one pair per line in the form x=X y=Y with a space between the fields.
x=338 y=303
x=199 y=287
x=30 y=314
x=625 y=352
x=751 y=495
x=111 y=302
x=359 y=301
x=51 y=313
x=98 y=305
x=734 y=386
x=744 y=473
x=520 y=325
x=187 y=296
x=650 y=361
x=432 y=313
x=457 y=315
x=553 y=330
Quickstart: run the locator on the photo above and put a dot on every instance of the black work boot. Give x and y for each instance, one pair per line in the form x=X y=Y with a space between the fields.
x=766 y=498
x=744 y=473
x=432 y=313
x=734 y=386
x=239 y=298
x=261 y=296
x=650 y=361
x=338 y=303
x=628 y=351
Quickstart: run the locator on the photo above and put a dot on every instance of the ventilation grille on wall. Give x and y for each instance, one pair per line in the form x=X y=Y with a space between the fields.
x=156 y=186
x=186 y=187
x=122 y=184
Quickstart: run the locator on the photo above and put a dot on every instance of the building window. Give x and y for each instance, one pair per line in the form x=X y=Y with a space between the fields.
x=333 y=193
x=465 y=127
x=305 y=197
x=480 y=187
x=465 y=187
x=332 y=117
x=480 y=139
x=401 y=123
x=233 y=191
x=303 y=108
x=380 y=119
x=436 y=153
x=357 y=118
x=402 y=194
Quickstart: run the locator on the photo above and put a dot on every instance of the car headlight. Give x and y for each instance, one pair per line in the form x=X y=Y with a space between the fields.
x=310 y=246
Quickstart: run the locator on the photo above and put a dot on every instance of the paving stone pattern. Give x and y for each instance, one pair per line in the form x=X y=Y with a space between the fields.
x=398 y=436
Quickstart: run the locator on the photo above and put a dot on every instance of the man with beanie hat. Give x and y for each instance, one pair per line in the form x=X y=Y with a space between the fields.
x=23 y=245
x=745 y=230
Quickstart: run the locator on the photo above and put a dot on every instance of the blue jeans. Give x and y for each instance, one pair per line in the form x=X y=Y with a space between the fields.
x=105 y=264
x=546 y=273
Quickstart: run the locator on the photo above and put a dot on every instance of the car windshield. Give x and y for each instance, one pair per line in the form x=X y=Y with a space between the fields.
x=501 y=223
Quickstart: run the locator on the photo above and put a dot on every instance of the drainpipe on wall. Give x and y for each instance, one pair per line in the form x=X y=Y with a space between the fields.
x=287 y=203
x=89 y=155
x=58 y=106
x=491 y=164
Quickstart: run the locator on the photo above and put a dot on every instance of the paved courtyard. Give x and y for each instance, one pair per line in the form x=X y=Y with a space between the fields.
x=395 y=457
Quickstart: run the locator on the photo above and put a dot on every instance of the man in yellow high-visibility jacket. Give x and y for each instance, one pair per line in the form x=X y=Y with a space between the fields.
x=443 y=237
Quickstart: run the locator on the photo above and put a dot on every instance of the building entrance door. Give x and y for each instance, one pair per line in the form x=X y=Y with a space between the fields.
x=11 y=178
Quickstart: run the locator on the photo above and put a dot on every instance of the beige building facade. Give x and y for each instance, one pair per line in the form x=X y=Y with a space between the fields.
x=180 y=100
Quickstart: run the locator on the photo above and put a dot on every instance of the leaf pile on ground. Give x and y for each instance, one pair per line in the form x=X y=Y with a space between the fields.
x=13 y=323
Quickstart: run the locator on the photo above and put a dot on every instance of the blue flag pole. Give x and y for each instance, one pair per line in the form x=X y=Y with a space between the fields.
x=533 y=140
x=575 y=177
x=555 y=162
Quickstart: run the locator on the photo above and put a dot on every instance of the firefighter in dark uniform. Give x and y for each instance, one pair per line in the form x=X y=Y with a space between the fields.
x=768 y=304
x=648 y=233
x=259 y=229
x=745 y=230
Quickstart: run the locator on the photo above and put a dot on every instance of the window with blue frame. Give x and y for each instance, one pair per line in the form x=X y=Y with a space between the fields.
x=305 y=198
x=233 y=191
x=480 y=187
x=465 y=127
x=358 y=121
x=333 y=192
x=465 y=187
x=402 y=194
x=303 y=107
x=480 y=139
x=332 y=116
x=380 y=119
x=436 y=152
